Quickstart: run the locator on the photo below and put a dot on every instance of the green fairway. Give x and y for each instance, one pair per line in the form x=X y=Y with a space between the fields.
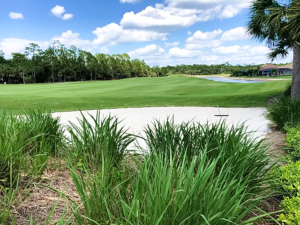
x=139 y=92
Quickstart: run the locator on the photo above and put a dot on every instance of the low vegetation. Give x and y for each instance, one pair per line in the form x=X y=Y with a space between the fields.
x=188 y=174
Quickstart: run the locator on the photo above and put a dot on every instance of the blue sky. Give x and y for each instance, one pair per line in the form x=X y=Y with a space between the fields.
x=162 y=32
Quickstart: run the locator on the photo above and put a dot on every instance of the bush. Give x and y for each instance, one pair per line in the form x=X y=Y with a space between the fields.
x=91 y=141
x=291 y=208
x=287 y=179
x=175 y=183
x=40 y=123
x=293 y=142
x=190 y=139
x=26 y=142
x=284 y=112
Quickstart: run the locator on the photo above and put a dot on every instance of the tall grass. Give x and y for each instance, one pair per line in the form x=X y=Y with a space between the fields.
x=40 y=123
x=102 y=137
x=26 y=142
x=284 y=112
x=193 y=174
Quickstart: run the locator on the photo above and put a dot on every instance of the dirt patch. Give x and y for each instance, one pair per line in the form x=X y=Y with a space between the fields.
x=42 y=198
x=276 y=142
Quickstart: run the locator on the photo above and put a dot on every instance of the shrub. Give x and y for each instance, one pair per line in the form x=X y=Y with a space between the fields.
x=215 y=184
x=287 y=179
x=190 y=139
x=291 y=208
x=293 y=142
x=91 y=141
x=40 y=123
x=284 y=112
x=288 y=91
x=26 y=142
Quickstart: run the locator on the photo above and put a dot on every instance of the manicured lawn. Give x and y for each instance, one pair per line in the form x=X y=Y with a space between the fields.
x=139 y=92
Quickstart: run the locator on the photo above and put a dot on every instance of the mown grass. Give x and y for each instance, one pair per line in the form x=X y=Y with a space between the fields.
x=138 y=92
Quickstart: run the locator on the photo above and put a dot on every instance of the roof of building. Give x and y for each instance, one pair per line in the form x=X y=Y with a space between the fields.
x=269 y=67
x=288 y=66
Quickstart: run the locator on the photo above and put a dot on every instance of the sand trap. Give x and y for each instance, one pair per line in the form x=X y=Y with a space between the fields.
x=137 y=118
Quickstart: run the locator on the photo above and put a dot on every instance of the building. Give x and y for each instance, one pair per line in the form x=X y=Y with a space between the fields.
x=286 y=69
x=273 y=70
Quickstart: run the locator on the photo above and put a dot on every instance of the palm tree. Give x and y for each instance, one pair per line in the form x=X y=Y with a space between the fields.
x=277 y=22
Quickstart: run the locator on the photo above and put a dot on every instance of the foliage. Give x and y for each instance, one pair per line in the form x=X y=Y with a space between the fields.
x=207 y=187
x=40 y=123
x=91 y=141
x=291 y=207
x=284 y=112
x=26 y=142
x=287 y=179
x=190 y=139
x=58 y=63
x=199 y=69
x=293 y=142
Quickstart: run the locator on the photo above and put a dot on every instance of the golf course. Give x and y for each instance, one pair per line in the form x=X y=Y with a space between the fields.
x=137 y=92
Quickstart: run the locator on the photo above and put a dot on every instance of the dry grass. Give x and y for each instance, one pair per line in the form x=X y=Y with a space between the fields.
x=42 y=197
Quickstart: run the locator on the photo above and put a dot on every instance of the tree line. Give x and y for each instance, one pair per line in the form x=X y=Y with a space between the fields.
x=60 y=64
x=226 y=68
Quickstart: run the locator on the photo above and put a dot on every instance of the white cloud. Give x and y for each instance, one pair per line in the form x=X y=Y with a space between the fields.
x=238 y=33
x=69 y=38
x=199 y=35
x=129 y=1
x=177 y=14
x=206 y=4
x=203 y=40
x=159 y=18
x=147 y=51
x=114 y=34
x=14 y=15
x=173 y=44
x=67 y=16
x=189 y=33
x=104 y=50
x=11 y=45
x=183 y=53
x=59 y=11
x=246 y=50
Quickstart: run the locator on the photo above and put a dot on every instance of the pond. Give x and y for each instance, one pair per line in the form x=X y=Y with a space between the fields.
x=228 y=80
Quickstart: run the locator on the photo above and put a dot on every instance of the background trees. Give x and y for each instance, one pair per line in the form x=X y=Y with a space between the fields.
x=59 y=64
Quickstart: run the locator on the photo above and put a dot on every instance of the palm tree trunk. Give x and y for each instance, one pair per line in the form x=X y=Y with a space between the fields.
x=296 y=72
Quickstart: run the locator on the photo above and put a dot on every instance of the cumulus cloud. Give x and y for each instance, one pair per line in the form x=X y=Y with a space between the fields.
x=129 y=1
x=59 y=11
x=69 y=38
x=203 y=39
x=11 y=45
x=177 y=14
x=173 y=44
x=183 y=53
x=147 y=51
x=238 y=33
x=206 y=4
x=67 y=16
x=246 y=50
x=114 y=34
x=14 y=15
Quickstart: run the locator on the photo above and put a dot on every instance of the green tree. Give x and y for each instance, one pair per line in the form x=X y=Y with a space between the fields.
x=277 y=23
x=21 y=64
x=32 y=50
